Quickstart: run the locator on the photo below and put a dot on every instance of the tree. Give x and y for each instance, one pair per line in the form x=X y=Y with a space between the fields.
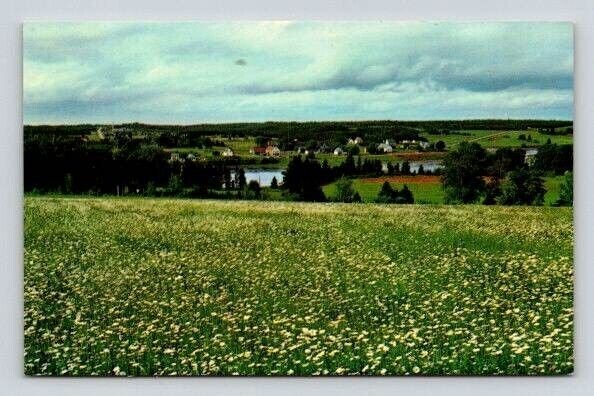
x=261 y=141
x=240 y=181
x=440 y=145
x=566 y=191
x=303 y=179
x=122 y=138
x=405 y=168
x=292 y=175
x=175 y=186
x=254 y=188
x=404 y=196
x=390 y=169
x=372 y=148
x=554 y=158
x=353 y=149
x=68 y=183
x=227 y=179
x=492 y=191
x=505 y=160
x=385 y=194
x=522 y=187
x=421 y=170
x=396 y=168
x=462 y=173
x=274 y=182
x=348 y=167
x=345 y=191
x=311 y=145
x=326 y=172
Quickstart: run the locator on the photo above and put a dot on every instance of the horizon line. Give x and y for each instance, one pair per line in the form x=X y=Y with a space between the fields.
x=293 y=121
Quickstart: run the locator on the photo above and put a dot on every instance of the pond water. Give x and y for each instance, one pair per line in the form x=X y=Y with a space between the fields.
x=429 y=165
x=262 y=176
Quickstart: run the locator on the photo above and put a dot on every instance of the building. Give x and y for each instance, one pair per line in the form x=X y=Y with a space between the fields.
x=258 y=150
x=324 y=148
x=530 y=156
x=175 y=157
x=227 y=152
x=385 y=147
x=338 y=151
x=273 y=151
x=424 y=145
x=358 y=140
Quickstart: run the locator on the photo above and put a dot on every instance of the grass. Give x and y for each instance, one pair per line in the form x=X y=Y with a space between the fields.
x=124 y=286
x=429 y=192
x=240 y=146
x=553 y=187
x=497 y=139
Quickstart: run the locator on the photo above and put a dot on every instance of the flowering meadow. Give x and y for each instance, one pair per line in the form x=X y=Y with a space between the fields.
x=127 y=286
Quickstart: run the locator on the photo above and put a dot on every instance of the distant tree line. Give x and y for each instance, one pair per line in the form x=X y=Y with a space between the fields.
x=330 y=132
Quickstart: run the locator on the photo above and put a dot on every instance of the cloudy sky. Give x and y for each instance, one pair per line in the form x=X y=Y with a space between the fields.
x=223 y=72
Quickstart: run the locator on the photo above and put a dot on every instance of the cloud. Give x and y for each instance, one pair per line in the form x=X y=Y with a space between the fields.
x=188 y=72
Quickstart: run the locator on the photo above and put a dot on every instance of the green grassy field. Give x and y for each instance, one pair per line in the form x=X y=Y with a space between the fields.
x=240 y=146
x=431 y=193
x=496 y=139
x=124 y=286
x=553 y=186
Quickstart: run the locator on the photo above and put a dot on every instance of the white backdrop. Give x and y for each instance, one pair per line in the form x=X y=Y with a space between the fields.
x=13 y=13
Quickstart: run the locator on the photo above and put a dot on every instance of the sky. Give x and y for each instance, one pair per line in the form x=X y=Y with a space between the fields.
x=198 y=72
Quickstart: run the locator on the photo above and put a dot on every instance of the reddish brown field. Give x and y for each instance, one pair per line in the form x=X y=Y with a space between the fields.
x=422 y=179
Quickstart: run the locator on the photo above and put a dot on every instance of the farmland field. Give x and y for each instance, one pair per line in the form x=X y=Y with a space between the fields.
x=427 y=189
x=497 y=139
x=125 y=286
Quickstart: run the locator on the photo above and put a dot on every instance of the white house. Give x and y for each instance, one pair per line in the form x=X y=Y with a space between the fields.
x=175 y=157
x=356 y=140
x=530 y=156
x=385 y=147
x=227 y=152
x=424 y=145
x=338 y=151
